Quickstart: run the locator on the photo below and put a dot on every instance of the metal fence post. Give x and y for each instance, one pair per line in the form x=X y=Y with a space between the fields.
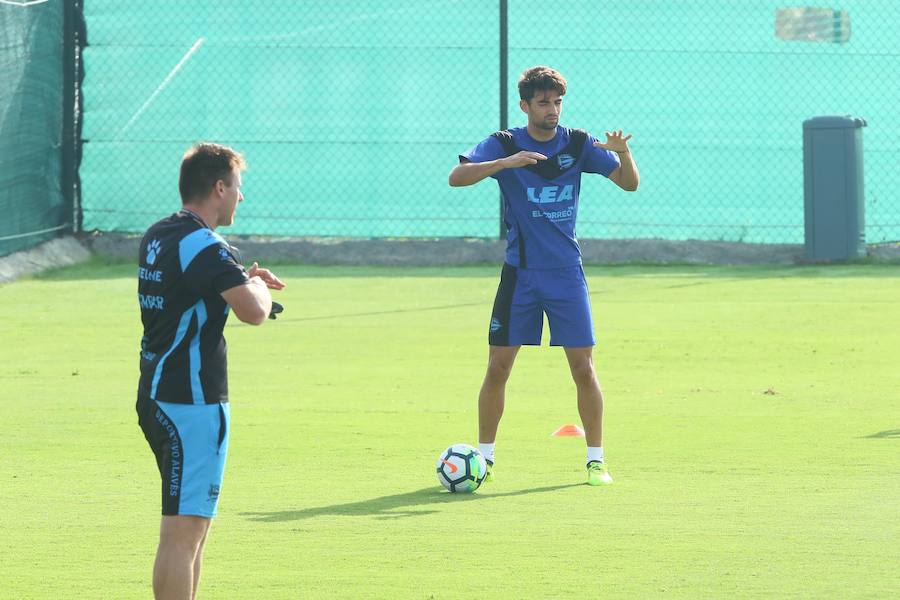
x=504 y=99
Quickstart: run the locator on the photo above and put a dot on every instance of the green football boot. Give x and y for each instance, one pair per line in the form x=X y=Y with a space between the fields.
x=490 y=471
x=598 y=474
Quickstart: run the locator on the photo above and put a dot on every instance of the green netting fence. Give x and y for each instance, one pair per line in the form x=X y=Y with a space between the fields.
x=351 y=114
x=38 y=44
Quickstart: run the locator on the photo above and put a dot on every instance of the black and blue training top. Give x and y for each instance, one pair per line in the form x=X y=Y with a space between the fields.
x=184 y=266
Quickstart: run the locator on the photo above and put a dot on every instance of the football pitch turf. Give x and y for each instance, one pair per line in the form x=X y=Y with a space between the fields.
x=752 y=428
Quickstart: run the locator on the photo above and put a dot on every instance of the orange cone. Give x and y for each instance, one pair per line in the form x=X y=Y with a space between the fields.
x=568 y=431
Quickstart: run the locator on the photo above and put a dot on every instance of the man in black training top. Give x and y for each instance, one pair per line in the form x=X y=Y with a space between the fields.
x=189 y=278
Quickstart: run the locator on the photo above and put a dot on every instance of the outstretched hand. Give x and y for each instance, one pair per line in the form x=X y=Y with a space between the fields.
x=268 y=277
x=615 y=142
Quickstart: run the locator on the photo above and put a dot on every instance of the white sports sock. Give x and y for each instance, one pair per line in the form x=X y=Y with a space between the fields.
x=595 y=453
x=487 y=450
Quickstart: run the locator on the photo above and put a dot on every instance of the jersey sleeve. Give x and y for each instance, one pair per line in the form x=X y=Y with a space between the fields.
x=598 y=160
x=214 y=270
x=488 y=149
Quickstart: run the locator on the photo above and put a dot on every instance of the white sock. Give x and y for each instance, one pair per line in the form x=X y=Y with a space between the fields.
x=595 y=453
x=487 y=450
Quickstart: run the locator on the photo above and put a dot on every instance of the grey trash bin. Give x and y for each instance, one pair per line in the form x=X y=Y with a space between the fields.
x=834 y=209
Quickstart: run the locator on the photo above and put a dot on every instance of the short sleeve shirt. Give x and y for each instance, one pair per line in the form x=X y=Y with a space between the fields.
x=540 y=213
x=183 y=268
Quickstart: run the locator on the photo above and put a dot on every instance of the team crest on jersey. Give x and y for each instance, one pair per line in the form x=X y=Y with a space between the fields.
x=223 y=254
x=153 y=249
x=565 y=161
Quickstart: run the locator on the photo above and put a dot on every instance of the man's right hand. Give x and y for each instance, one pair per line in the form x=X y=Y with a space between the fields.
x=522 y=159
x=468 y=173
x=267 y=276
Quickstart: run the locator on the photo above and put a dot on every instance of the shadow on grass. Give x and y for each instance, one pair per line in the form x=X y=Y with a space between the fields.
x=392 y=507
x=98 y=267
x=887 y=433
x=861 y=268
x=376 y=313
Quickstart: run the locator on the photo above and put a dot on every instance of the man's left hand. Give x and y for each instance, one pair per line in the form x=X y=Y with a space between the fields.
x=615 y=142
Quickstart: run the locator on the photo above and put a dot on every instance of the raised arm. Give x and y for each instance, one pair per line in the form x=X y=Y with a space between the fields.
x=469 y=173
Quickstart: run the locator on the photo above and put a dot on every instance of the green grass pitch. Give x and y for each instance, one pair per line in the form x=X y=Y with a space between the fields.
x=752 y=427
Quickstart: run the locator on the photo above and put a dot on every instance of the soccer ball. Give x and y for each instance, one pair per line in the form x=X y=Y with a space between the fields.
x=461 y=468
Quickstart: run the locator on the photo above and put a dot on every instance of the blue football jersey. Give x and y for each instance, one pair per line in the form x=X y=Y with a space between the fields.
x=540 y=202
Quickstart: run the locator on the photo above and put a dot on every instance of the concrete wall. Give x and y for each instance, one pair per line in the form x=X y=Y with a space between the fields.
x=454 y=251
x=423 y=253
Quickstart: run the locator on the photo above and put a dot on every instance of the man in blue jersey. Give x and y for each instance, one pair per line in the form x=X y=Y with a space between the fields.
x=539 y=169
x=189 y=279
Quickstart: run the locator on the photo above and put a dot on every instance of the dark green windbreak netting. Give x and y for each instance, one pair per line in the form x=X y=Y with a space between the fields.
x=32 y=205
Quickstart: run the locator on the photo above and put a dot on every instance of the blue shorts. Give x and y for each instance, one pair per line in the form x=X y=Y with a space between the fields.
x=524 y=295
x=190 y=442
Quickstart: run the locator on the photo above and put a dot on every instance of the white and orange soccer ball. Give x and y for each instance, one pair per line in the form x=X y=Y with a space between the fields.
x=461 y=468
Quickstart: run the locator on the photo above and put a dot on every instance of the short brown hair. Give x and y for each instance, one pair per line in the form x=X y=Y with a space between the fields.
x=203 y=165
x=541 y=78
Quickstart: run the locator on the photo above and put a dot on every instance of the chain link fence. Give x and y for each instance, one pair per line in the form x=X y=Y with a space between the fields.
x=352 y=114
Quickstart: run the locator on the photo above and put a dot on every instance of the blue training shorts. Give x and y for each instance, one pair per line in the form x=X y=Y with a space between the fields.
x=190 y=442
x=524 y=295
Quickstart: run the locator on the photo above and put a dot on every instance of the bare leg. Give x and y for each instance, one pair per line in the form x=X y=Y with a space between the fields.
x=198 y=560
x=590 y=398
x=180 y=538
x=492 y=397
